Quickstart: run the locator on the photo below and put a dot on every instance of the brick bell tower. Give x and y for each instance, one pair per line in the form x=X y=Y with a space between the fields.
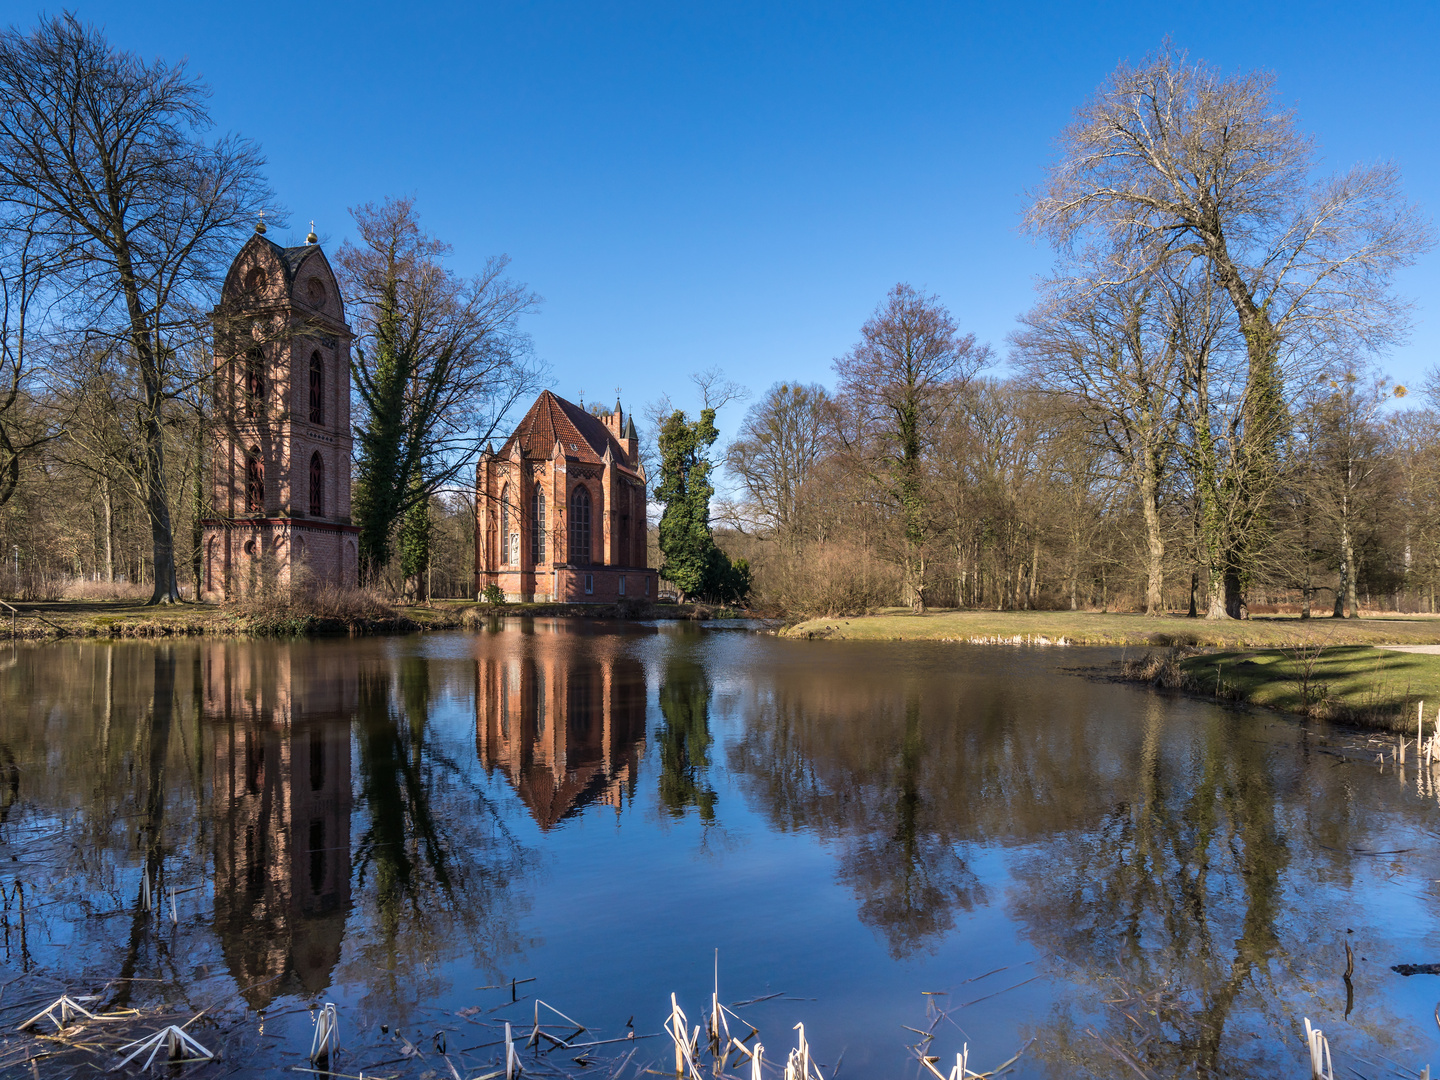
x=281 y=436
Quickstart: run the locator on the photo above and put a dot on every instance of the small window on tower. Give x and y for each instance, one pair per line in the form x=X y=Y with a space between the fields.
x=317 y=485
x=254 y=482
x=254 y=384
x=317 y=388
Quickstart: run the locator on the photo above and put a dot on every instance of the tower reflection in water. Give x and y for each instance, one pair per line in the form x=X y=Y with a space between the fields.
x=279 y=732
x=561 y=714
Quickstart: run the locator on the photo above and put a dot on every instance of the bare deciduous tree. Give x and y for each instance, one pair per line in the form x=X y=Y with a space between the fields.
x=775 y=453
x=896 y=386
x=104 y=152
x=439 y=363
x=1173 y=163
x=1108 y=349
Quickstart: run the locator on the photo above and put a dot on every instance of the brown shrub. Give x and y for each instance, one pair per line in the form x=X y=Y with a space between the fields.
x=1158 y=669
x=107 y=590
x=829 y=580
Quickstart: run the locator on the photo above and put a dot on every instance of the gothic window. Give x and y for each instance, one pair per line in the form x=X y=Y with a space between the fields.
x=625 y=554
x=505 y=525
x=317 y=389
x=254 y=482
x=254 y=383
x=317 y=485
x=537 y=525
x=580 y=527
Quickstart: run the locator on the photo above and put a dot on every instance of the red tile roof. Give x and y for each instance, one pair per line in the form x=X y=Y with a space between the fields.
x=583 y=437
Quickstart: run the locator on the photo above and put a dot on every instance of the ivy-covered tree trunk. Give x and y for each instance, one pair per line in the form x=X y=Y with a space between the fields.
x=383 y=471
x=415 y=548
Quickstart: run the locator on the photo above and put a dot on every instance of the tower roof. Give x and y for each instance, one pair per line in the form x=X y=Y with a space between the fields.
x=552 y=419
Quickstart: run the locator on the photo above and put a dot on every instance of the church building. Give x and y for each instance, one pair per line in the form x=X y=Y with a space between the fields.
x=560 y=510
x=281 y=442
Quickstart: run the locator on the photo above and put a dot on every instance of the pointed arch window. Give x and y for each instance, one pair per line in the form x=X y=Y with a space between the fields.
x=580 y=527
x=537 y=525
x=317 y=388
x=317 y=485
x=254 y=482
x=505 y=525
x=255 y=383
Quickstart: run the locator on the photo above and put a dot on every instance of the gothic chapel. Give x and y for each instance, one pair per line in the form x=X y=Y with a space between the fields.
x=281 y=441
x=560 y=510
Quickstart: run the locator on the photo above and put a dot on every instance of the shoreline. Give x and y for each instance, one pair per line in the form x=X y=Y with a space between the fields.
x=1377 y=689
x=1059 y=628
x=117 y=620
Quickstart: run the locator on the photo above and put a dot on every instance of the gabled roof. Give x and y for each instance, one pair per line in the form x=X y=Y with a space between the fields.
x=553 y=419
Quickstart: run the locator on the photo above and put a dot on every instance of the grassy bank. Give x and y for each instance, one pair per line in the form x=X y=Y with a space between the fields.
x=1353 y=683
x=129 y=619
x=1092 y=628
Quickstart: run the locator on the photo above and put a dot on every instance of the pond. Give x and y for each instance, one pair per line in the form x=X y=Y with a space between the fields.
x=989 y=845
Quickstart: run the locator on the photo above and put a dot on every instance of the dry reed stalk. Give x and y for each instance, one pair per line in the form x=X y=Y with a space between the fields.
x=69 y=1008
x=178 y=1045
x=1319 y=1047
x=512 y=1059
x=537 y=1032
x=327 y=1035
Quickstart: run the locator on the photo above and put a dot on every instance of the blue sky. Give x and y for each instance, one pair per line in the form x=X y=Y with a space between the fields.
x=737 y=185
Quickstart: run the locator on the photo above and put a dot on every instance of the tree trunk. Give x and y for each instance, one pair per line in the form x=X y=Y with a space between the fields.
x=197 y=530
x=1215 y=595
x=1154 y=541
x=1034 y=574
x=1347 y=552
x=1234 y=597
x=157 y=504
x=107 y=500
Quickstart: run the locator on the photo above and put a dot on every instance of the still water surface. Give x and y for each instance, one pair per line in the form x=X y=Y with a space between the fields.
x=391 y=824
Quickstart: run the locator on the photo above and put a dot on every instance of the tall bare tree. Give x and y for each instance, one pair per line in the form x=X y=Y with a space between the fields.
x=441 y=359
x=1173 y=163
x=106 y=153
x=896 y=386
x=775 y=453
x=1107 y=349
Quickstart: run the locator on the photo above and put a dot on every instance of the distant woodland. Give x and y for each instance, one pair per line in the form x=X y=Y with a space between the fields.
x=1194 y=414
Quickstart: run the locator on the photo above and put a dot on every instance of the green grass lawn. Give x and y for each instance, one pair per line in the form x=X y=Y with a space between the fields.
x=1093 y=628
x=1353 y=682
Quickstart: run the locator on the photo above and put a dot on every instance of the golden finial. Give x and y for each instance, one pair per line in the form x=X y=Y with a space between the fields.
x=311 y=238
x=260 y=225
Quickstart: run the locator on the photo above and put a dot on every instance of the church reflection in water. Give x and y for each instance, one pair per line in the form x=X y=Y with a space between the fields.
x=279 y=737
x=562 y=717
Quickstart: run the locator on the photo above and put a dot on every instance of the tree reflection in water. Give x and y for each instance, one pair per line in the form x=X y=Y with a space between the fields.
x=230 y=763
x=1154 y=853
x=685 y=739
x=435 y=864
x=873 y=773
x=1195 y=868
